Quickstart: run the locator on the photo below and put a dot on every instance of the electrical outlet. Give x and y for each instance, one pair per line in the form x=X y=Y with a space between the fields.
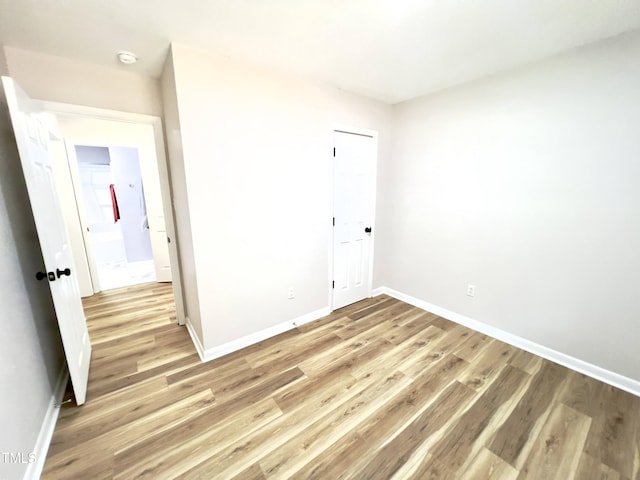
x=471 y=290
x=292 y=293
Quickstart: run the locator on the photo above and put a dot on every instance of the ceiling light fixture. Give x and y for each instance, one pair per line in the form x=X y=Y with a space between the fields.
x=127 y=58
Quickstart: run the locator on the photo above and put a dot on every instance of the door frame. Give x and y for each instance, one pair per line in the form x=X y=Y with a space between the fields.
x=70 y=143
x=335 y=127
x=72 y=167
x=163 y=170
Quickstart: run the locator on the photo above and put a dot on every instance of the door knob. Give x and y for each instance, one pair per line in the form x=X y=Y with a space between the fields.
x=43 y=275
x=367 y=230
x=66 y=271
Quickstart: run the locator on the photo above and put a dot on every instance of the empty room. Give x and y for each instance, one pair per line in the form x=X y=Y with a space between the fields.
x=318 y=239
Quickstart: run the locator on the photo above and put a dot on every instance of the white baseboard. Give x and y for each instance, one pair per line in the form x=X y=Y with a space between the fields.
x=615 y=379
x=379 y=291
x=209 y=354
x=34 y=470
x=194 y=338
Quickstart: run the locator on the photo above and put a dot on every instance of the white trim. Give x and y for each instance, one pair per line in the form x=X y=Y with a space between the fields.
x=195 y=339
x=101 y=113
x=34 y=470
x=87 y=246
x=310 y=317
x=242 y=342
x=336 y=127
x=615 y=379
x=380 y=291
x=331 y=158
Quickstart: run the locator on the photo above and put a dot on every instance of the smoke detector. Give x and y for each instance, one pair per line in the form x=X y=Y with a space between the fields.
x=127 y=58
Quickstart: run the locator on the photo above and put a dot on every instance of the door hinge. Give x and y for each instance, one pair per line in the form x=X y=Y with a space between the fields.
x=333 y=284
x=334 y=151
x=334 y=221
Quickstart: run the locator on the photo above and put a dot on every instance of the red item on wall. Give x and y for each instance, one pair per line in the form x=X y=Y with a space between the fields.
x=114 y=204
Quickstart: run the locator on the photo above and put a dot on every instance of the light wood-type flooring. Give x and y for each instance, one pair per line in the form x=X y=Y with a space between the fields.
x=376 y=390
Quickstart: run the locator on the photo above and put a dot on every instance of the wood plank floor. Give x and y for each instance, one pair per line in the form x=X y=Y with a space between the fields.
x=376 y=390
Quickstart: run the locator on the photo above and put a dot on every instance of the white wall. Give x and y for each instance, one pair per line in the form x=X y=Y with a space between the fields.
x=58 y=79
x=257 y=166
x=127 y=177
x=189 y=283
x=527 y=185
x=31 y=355
x=94 y=200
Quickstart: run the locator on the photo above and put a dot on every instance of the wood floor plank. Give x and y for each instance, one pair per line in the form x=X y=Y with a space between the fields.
x=344 y=312
x=253 y=472
x=353 y=449
x=70 y=463
x=526 y=361
x=158 y=457
x=217 y=368
x=355 y=327
x=128 y=337
x=395 y=453
x=556 y=452
x=437 y=349
x=104 y=355
x=273 y=352
x=312 y=439
x=402 y=332
x=351 y=354
x=582 y=393
x=233 y=385
x=327 y=431
x=410 y=356
x=613 y=435
x=453 y=450
x=375 y=308
x=513 y=435
x=487 y=365
x=486 y=464
x=88 y=427
x=294 y=356
x=376 y=390
x=472 y=346
x=120 y=383
x=112 y=401
x=590 y=468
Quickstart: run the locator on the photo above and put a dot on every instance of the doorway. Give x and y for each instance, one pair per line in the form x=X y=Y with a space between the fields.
x=354 y=180
x=128 y=135
x=112 y=193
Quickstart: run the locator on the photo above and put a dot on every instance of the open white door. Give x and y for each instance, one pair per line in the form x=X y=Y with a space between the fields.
x=155 y=212
x=35 y=143
x=353 y=207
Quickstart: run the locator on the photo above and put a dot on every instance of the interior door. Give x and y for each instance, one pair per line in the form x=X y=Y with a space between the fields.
x=353 y=206
x=35 y=143
x=155 y=213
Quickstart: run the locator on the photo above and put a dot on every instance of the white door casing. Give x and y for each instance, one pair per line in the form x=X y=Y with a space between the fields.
x=34 y=140
x=89 y=280
x=85 y=127
x=354 y=168
x=67 y=197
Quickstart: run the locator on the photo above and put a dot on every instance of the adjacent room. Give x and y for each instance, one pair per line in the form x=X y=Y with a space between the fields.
x=262 y=239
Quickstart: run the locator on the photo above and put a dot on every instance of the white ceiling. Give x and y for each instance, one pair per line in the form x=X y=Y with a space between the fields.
x=391 y=50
